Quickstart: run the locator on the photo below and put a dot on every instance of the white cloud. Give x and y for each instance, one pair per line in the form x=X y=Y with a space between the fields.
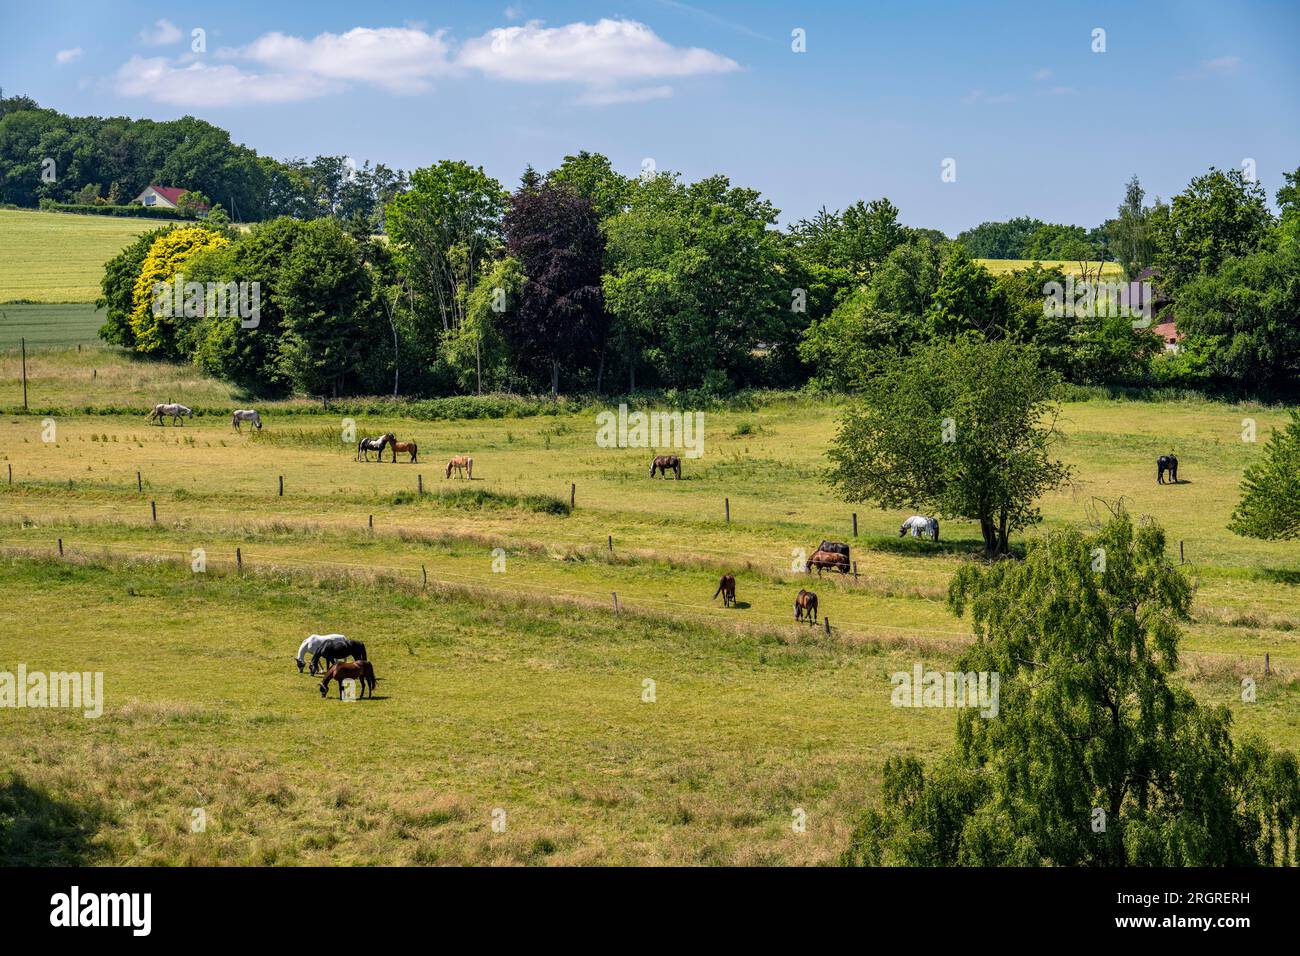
x=198 y=84
x=67 y=56
x=609 y=60
x=513 y=12
x=399 y=59
x=593 y=54
x=161 y=33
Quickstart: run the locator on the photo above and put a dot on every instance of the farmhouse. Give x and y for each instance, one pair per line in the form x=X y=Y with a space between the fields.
x=163 y=197
x=1169 y=335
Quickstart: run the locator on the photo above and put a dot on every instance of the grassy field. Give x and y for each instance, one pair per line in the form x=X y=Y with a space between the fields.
x=508 y=682
x=46 y=326
x=59 y=257
x=1109 y=270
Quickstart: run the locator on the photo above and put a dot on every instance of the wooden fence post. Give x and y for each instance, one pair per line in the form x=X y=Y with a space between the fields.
x=139 y=482
x=282 y=486
x=239 y=560
x=1181 y=559
x=61 y=555
x=573 y=495
x=419 y=483
x=855 y=524
x=1267 y=665
x=24 y=343
x=424 y=575
x=615 y=593
x=11 y=473
x=153 y=508
x=372 y=522
x=855 y=570
x=726 y=503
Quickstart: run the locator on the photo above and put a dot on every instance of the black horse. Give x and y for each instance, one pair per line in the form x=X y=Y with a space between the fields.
x=1166 y=463
x=372 y=444
x=336 y=650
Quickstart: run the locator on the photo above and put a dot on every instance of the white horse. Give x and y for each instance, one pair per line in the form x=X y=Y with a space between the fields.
x=919 y=525
x=313 y=645
x=175 y=410
x=245 y=415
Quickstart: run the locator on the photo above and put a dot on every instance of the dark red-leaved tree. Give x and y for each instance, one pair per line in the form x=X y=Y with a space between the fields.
x=560 y=321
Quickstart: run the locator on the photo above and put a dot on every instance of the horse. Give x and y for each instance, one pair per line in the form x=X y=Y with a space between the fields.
x=919 y=525
x=335 y=649
x=363 y=672
x=1167 y=463
x=246 y=415
x=727 y=588
x=665 y=463
x=805 y=606
x=312 y=645
x=397 y=446
x=462 y=463
x=828 y=559
x=175 y=410
x=371 y=444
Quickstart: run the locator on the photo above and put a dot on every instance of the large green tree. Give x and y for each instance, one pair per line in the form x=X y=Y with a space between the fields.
x=1219 y=215
x=1095 y=755
x=963 y=429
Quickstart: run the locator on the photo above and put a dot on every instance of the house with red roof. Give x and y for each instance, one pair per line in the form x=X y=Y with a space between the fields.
x=164 y=197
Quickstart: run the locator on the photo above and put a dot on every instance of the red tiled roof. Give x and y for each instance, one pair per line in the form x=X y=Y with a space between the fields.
x=1167 y=331
x=172 y=194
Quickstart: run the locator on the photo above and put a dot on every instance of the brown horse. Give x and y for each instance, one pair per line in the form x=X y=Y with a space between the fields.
x=665 y=463
x=805 y=606
x=397 y=446
x=727 y=588
x=363 y=672
x=831 y=560
x=461 y=462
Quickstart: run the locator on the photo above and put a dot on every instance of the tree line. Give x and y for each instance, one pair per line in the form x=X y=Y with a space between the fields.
x=111 y=160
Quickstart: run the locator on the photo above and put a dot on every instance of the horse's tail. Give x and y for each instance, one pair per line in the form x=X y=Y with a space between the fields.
x=719 y=590
x=361 y=651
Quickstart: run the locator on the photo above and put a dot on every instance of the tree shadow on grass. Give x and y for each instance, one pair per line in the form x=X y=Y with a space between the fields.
x=38 y=830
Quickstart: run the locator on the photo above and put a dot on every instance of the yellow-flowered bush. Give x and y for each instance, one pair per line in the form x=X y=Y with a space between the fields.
x=156 y=333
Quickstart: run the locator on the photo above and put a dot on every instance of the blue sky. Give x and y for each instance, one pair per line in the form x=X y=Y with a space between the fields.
x=1037 y=123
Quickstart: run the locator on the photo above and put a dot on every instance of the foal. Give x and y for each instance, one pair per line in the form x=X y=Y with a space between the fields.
x=462 y=464
x=363 y=672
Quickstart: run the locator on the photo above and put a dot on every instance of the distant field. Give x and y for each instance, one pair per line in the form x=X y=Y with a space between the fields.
x=1111 y=270
x=59 y=257
x=75 y=323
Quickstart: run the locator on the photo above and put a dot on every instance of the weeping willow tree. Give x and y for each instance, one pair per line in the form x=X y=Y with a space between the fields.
x=1096 y=755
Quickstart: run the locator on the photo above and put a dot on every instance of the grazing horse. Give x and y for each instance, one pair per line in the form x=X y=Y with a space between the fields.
x=805 y=606
x=337 y=648
x=175 y=410
x=1167 y=463
x=397 y=446
x=371 y=444
x=312 y=645
x=919 y=525
x=727 y=588
x=463 y=465
x=363 y=672
x=665 y=463
x=828 y=559
x=246 y=415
